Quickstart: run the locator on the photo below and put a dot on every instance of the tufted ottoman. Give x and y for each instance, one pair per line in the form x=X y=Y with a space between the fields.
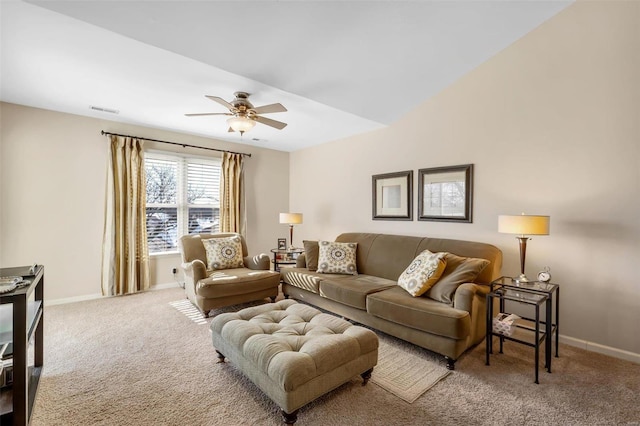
x=294 y=353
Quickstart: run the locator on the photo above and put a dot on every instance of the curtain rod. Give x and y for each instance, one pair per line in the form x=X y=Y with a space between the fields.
x=184 y=145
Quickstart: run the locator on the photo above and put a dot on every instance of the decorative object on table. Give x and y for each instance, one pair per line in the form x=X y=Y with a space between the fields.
x=8 y=284
x=523 y=225
x=504 y=323
x=545 y=275
x=393 y=196
x=445 y=194
x=282 y=243
x=290 y=219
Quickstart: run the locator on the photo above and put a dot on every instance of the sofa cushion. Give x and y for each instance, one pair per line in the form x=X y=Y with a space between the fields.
x=337 y=258
x=223 y=253
x=421 y=313
x=302 y=278
x=232 y=282
x=459 y=270
x=353 y=291
x=422 y=273
x=311 y=253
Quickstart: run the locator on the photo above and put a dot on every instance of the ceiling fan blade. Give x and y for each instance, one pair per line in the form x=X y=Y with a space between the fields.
x=269 y=122
x=220 y=101
x=208 y=113
x=266 y=109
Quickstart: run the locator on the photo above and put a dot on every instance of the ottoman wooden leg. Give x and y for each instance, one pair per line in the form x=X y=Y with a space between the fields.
x=220 y=356
x=290 y=418
x=366 y=376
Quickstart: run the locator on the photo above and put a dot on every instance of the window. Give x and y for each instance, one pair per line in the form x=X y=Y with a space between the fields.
x=182 y=198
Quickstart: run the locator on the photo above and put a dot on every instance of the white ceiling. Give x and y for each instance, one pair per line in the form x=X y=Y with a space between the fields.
x=339 y=67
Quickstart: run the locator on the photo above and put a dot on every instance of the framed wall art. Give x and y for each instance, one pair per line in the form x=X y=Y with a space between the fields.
x=392 y=195
x=445 y=194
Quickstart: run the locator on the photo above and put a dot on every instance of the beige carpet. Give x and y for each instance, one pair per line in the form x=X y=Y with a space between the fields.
x=136 y=360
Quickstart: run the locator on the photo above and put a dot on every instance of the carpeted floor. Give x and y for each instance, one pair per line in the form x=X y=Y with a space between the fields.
x=136 y=360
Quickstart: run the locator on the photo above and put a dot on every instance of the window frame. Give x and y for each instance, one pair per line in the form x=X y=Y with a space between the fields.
x=182 y=205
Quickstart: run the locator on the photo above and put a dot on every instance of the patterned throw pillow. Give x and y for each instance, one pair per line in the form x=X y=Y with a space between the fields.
x=223 y=253
x=337 y=258
x=425 y=270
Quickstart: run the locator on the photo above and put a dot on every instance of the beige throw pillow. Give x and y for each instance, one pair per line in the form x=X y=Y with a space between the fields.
x=311 y=253
x=337 y=258
x=223 y=253
x=459 y=270
x=422 y=273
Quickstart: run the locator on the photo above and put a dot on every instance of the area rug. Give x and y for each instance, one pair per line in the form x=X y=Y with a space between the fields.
x=404 y=371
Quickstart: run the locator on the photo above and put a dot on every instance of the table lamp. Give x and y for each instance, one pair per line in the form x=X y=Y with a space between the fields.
x=523 y=225
x=291 y=219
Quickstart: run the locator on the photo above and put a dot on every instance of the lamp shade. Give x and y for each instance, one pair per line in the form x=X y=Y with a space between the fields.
x=523 y=224
x=291 y=218
x=241 y=123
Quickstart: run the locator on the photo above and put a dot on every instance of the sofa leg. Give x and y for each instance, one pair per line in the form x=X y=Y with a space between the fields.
x=273 y=299
x=206 y=313
x=451 y=363
x=286 y=296
x=290 y=418
x=366 y=376
x=220 y=356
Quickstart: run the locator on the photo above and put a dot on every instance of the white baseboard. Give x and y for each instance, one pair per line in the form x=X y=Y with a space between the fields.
x=601 y=349
x=74 y=299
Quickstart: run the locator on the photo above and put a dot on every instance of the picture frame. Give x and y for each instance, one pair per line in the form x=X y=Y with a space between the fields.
x=445 y=194
x=282 y=243
x=392 y=196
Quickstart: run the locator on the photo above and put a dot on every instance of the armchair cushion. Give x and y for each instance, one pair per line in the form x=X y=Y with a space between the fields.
x=223 y=253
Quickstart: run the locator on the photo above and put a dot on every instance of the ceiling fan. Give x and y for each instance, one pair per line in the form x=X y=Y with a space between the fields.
x=243 y=114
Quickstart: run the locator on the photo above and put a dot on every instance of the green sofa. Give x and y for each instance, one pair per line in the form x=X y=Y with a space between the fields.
x=448 y=326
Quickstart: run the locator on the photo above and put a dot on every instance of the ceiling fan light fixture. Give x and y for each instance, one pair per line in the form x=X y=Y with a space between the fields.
x=241 y=124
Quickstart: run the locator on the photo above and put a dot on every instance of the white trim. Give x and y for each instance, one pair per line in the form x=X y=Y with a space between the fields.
x=72 y=299
x=94 y=296
x=601 y=349
x=165 y=254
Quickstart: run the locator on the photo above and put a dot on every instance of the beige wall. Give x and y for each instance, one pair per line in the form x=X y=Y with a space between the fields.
x=552 y=124
x=52 y=171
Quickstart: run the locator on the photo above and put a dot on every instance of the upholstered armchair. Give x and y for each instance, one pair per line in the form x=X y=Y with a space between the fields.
x=213 y=283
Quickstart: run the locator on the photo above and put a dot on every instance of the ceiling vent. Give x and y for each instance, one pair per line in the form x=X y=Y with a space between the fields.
x=107 y=110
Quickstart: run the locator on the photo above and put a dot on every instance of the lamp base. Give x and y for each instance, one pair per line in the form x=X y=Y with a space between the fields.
x=522 y=278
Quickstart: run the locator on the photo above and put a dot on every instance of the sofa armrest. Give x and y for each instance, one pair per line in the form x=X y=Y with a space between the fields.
x=301 y=261
x=472 y=298
x=194 y=271
x=260 y=261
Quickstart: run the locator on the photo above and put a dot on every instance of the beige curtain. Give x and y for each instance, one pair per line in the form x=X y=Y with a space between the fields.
x=232 y=203
x=125 y=255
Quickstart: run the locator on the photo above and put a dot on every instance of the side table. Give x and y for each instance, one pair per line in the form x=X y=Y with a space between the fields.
x=532 y=293
x=285 y=257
